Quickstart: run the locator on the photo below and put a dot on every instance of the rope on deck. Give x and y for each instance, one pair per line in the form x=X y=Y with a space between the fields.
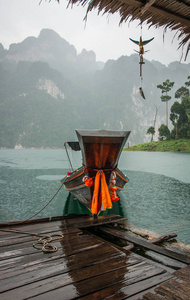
x=44 y=241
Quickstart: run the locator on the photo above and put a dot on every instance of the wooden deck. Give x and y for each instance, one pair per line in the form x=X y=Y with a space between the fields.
x=84 y=266
x=176 y=288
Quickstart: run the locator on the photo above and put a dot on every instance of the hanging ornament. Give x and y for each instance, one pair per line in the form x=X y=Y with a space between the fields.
x=88 y=181
x=141 y=52
x=112 y=187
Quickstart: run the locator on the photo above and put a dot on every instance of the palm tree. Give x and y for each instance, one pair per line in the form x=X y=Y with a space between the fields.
x=166 y=87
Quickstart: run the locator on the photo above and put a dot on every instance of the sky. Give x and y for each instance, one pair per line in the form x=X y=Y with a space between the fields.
x=101 y=33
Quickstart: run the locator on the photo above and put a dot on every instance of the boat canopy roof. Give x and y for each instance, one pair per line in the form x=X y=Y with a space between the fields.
x=101 y=149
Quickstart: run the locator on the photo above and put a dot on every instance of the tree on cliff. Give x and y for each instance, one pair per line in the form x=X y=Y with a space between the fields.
x=164 y=132
x=151 y=131
x=180 y=112
x=165 y=87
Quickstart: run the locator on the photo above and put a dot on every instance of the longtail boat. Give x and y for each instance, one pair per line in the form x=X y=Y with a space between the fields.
x=97 y=182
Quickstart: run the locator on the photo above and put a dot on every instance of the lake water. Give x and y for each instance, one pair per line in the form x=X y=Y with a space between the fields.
x=156 y=198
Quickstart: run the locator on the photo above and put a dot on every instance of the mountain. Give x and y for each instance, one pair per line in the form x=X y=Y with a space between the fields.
x=47 y=90
x=51 y=48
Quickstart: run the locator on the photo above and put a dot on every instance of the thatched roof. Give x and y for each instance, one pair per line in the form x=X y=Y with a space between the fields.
x=172 y=14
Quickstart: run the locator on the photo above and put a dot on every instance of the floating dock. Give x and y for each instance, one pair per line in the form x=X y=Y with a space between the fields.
x=65 y=258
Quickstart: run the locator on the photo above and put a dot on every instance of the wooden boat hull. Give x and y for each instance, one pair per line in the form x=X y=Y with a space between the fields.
x=75 y=185
x=101 y=150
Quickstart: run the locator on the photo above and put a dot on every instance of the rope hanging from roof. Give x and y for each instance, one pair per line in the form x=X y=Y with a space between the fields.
x=141 y=52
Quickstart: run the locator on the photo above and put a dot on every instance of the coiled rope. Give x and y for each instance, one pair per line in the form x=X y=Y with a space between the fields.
x=44 y=241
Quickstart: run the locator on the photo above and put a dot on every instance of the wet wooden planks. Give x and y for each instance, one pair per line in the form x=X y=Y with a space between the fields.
x=125 y=235
x=67 y=221
x=84 y=266
x=175 y=288
x=86 y=221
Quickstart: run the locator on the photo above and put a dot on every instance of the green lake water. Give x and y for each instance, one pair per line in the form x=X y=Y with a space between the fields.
x=156 y=198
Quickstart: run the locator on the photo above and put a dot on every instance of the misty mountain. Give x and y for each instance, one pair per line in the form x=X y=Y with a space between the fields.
x=47 y=90
x=51 y=48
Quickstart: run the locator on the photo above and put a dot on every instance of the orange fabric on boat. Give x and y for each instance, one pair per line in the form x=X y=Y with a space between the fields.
x=106 y=200
x=94 y=206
